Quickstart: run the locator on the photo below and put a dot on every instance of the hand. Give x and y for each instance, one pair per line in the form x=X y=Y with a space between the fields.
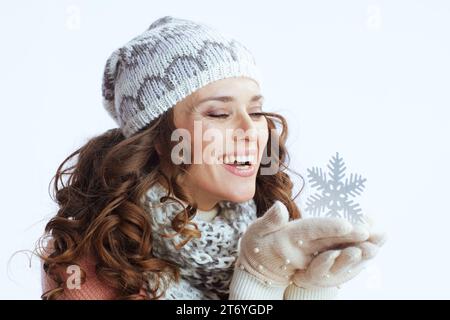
x=273 y=248
x=335 y=267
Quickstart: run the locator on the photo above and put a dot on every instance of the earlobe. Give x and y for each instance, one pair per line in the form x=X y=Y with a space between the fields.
x=158 y=149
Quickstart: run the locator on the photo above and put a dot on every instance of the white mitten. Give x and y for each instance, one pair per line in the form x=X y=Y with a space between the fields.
x=273 y=248
x=335 y=267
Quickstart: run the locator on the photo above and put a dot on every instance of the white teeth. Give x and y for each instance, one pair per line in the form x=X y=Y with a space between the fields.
x=231 y=159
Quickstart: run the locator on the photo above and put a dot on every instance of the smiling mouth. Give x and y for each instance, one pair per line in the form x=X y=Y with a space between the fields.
x=241 y=160
x=240 y=165
x=241 y=170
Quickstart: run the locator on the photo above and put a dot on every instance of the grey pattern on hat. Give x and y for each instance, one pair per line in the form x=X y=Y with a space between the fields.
x=170 y=60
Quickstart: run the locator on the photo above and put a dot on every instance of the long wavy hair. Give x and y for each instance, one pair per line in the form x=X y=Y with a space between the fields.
x=100 y=212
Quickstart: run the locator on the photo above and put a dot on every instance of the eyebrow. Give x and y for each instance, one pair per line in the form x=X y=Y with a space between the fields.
x=230 y=98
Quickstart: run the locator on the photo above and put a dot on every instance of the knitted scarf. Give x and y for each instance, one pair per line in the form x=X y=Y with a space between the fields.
x=206 y=264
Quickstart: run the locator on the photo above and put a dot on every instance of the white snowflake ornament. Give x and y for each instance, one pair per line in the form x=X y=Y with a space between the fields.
x=334 y=193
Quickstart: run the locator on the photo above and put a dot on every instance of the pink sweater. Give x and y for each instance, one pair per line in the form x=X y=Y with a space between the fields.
x=91 y=289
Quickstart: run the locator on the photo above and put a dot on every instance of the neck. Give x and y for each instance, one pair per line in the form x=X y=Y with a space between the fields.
x=204 y=203
x=206 y=206
x=211 y=210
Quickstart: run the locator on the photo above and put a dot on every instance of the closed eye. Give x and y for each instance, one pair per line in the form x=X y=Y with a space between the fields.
x=218 y=115
x=257 y=114
x=224 y=116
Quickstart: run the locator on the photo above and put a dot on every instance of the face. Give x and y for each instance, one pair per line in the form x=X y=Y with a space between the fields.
x=225 y=125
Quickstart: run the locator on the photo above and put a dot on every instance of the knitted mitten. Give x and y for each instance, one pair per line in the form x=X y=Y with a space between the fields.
x=335 y=267
x=273 y=248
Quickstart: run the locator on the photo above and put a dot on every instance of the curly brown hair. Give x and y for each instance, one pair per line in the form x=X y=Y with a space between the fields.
x=100 y=212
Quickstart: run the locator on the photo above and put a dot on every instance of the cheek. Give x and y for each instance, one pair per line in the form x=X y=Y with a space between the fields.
x=196 y=129
x=262 y=134
x=212 y=142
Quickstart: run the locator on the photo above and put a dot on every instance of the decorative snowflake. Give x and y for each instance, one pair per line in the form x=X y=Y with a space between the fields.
x=335 y=193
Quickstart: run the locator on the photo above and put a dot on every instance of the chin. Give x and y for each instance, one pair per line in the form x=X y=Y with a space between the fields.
x=240 y=194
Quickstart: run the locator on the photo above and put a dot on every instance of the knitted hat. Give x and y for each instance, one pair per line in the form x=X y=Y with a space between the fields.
x=166 y=63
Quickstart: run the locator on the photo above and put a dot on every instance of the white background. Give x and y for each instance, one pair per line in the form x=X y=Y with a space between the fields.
x=367 y=79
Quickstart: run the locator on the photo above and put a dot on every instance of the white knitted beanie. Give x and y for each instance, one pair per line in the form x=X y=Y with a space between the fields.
x=169 y=61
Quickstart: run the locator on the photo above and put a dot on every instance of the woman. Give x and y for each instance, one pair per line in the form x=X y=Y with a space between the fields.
x=188 y=198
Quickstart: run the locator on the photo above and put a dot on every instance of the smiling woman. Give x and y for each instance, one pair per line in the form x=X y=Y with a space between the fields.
x=130 y=216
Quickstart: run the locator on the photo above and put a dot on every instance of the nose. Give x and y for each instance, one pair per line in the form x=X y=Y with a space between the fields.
x=247 y=125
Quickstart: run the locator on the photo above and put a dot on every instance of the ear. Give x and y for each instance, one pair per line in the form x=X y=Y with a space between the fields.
x=158 y=148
